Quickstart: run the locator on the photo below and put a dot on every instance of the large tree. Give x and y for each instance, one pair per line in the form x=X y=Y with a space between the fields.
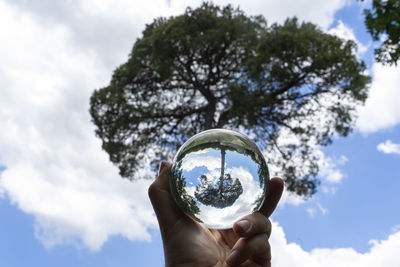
x=383 y=20
x=215 y=67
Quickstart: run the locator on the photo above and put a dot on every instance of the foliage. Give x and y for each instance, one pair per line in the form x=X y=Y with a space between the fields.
x=222 y=193
x=215 y=67
x=383 y=20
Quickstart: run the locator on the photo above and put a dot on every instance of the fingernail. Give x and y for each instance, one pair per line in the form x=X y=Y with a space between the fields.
x=244 y=225
x=232 y=258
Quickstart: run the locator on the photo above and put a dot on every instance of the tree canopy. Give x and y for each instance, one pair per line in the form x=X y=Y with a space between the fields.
x=383 y=20
x=216 y=67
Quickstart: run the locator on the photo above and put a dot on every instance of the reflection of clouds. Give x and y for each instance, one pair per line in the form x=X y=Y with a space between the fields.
x=190 y=190
x=204 y=151
x=224 y=218
x=192 y=161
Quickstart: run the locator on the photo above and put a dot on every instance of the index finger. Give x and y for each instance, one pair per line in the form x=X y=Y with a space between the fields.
x=274 y=195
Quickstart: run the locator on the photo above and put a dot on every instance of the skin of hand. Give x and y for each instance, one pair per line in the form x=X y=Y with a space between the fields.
x=187 y=243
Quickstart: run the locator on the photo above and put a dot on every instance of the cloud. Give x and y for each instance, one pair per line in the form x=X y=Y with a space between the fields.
x=109 y=25
x=55 y=169
x=329 y=170
x=195 y=161
x=71 y=207
x=289 y=198
x=104 y=28
x=345 y=32
x=389 y=148
x=319 y=12
x=381 y=110
x=108 y=29
x=285 y=254
x=396 y=228
x=2 y=193
x=312 y=211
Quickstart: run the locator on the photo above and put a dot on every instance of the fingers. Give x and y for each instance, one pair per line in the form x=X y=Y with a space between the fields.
x=257 y=223
x=254 y=231
x=164 y=206
x=255 y=249
x=252 y=225
x=274 y=195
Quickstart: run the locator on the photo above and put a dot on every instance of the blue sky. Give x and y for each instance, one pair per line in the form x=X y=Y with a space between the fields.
x=62 y=202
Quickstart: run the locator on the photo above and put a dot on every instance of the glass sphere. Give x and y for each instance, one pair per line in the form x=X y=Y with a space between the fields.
x=218 y=177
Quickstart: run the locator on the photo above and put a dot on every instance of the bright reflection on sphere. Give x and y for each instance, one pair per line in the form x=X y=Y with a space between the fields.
x=218 y=177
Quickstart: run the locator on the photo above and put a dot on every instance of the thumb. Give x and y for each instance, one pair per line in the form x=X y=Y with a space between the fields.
x=167 y=212
x=276 y=186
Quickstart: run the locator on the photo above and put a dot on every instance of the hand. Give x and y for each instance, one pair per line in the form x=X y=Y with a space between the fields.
x=187 y=243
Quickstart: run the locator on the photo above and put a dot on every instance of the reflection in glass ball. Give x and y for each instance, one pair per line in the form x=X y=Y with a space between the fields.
x=218 y=177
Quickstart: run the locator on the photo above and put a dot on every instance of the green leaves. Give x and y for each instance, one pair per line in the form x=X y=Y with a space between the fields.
x=216 y=67
x=383 y=21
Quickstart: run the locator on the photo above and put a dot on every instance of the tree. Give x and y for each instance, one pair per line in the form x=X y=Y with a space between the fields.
x=215 y=67
x=384 y=20
x=223 y=193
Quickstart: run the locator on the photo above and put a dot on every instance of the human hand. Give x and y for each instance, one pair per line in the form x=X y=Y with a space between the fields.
x=187 y=243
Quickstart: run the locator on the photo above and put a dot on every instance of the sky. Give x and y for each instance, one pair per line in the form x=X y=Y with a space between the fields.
x=62 y=202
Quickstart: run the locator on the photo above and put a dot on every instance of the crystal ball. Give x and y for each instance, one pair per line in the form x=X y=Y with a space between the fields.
x=219 y=176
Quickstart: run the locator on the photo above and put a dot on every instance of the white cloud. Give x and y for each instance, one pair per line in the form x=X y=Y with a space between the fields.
x=381 y=253
x=396 y=228
x=345 y=32
x=319 y=12
x=2 y=193
x=291 y=199
x=318 y=209
x=328 y=190
x=104 y=28
x=112 y=26
x=311 y=211
x=55 y=169
x=194 y=161
x=322 y=209
x=72 y=206
x=329 y=170
x=382 y=109
x=389 y=148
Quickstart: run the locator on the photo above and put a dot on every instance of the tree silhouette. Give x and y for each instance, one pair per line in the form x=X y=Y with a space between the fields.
x=215 y=67
x=221 y=194
x=383 y=19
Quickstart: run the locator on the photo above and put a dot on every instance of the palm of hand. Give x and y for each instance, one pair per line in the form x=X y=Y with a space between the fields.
x=190 y=244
